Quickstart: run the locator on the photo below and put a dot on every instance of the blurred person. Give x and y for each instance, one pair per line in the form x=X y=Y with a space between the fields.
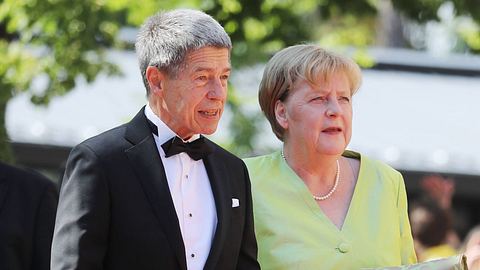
x=471 y=248
x=155 y=193
x=27 y=216
x=431 y=224
x=317 y=206
x=441 y=190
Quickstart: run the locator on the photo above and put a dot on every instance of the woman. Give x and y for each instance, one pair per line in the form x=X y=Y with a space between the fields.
x=316 y=205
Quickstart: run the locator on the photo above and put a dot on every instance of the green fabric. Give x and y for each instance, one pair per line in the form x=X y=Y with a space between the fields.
x=458 y=262
x=293 y=233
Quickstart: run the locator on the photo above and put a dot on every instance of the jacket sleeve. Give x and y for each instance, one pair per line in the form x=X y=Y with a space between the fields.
x=248 y=251
x=82 y=222
x=44 y=223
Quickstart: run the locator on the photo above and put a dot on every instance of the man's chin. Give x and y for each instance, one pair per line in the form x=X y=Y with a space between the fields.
x=209 y=129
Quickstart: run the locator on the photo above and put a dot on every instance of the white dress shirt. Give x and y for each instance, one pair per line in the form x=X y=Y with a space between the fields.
x=191 y=194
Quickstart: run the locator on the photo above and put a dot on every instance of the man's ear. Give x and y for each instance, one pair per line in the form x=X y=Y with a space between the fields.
x=281 y=114
x=155 y=79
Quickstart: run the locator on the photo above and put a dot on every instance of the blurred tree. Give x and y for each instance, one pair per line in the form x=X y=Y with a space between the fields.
x=466 y=24
x=53 y=42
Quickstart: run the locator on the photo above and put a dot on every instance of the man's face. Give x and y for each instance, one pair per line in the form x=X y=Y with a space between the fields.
x=193 y=101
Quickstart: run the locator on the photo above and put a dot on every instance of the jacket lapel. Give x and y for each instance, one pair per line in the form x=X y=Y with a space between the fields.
x=217 y=173
x=149 y=169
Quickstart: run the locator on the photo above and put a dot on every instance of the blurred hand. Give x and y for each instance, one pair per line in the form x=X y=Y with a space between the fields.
x=439 y=188
x=473 y=257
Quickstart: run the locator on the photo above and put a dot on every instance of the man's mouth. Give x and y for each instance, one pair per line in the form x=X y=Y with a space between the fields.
x=210 y=113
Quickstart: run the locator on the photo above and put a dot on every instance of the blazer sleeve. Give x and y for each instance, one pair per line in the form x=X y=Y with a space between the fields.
x=44 y=223
x=248 y=251
x=408 y=252
x=82 y=223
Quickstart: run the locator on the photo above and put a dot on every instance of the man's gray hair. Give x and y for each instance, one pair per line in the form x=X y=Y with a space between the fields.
x=165 y=39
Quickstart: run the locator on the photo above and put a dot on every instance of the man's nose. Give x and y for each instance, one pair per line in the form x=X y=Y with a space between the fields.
x=218 y=90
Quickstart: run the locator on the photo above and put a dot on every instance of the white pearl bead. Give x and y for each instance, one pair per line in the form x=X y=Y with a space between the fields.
x=335 y=185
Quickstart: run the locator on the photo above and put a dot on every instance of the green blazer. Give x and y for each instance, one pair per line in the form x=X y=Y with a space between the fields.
x=293 y=233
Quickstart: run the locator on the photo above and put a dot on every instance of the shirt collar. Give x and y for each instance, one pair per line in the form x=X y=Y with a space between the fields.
x=164 y=132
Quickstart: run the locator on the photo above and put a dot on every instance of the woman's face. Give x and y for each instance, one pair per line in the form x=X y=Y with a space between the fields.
x=318 y=117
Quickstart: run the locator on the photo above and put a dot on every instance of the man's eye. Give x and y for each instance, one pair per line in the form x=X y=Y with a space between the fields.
x=224 y=77
x=202 y=78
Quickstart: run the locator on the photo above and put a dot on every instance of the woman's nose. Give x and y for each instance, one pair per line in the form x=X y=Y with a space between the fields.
x=333 y=108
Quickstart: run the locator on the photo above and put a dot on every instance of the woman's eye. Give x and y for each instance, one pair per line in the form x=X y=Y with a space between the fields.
x=346 y=99
x=319 y=98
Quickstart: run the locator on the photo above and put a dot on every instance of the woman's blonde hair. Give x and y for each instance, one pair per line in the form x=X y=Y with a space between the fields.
x=308 y=62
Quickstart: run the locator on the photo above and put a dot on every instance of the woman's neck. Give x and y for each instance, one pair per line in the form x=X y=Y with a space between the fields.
x=312 y=167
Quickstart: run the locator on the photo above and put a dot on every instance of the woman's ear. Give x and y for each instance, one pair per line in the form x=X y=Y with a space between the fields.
x=155 y=79
x=281 y=114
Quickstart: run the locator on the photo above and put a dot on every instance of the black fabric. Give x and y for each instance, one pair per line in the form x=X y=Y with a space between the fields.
x=116 y=212
x=153 y=127
x=27 y=215
x=197 y=149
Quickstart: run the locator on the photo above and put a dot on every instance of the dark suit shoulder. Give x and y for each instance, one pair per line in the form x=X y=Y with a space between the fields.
x=26 y=180
x=106 y=143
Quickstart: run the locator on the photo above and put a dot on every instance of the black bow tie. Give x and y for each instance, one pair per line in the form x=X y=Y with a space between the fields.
x=197 y=149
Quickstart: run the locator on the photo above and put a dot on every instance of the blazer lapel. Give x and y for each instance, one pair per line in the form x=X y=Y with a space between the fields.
x=150 y=171
x=217 y=173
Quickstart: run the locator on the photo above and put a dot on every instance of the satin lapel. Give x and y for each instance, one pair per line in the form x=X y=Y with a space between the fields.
x=150 y=171
x=217 y=173
x=4 y=183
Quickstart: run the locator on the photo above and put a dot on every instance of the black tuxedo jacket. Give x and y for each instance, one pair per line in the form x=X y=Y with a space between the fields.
x=27 y=214
x=115 y=209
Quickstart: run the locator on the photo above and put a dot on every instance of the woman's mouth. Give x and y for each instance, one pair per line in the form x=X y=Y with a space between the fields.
x=332 y=130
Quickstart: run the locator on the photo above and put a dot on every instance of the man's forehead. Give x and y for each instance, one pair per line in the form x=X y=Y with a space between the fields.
x=209 y=58
x=208 y=51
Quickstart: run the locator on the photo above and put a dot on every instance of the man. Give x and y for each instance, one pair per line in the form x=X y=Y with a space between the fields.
x=27 y=215
x=131 y=199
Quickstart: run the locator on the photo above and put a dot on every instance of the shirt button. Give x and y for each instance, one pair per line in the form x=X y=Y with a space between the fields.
x=186 y=176
x=344 y=247
x=193 y=255
x=190 y=215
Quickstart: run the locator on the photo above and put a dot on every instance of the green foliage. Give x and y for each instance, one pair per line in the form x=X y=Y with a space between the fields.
x=55 y=39
x=470 y=34
x=5 y=151
x=419 y=10
x=425 y=10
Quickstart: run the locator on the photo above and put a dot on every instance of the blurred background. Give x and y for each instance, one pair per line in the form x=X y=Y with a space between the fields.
x=68 y=71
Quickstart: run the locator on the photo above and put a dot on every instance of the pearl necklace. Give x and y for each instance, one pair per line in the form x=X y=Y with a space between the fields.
x=335 y=185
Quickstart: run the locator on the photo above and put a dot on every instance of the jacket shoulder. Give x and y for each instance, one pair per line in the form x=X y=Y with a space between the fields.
x=106 y=143
x=25 y=179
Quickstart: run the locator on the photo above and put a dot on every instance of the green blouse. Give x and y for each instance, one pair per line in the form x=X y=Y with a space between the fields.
x=293 y=233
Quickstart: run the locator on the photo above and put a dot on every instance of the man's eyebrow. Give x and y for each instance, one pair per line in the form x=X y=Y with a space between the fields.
x=200 y=69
